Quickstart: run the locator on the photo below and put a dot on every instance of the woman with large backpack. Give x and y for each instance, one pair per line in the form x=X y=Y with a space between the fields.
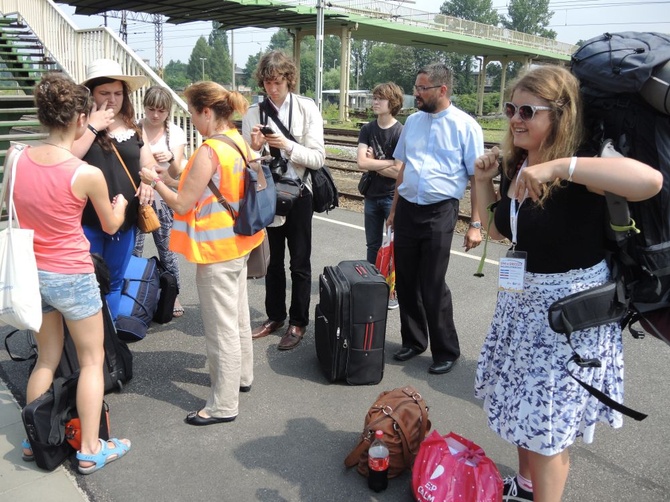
x=551 y=206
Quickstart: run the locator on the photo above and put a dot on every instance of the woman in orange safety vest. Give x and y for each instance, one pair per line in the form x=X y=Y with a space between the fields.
x=203 y=233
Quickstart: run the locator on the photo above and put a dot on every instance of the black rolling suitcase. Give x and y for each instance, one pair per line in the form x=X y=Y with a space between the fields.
x=350 y=323
x=118 y=367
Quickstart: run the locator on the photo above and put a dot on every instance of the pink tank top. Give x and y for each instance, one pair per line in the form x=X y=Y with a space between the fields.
x=44 y=202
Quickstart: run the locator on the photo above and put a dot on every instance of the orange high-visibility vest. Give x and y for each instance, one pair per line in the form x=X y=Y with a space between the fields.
x=205 y=234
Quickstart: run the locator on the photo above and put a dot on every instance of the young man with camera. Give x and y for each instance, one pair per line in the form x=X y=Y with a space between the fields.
x=268 y=126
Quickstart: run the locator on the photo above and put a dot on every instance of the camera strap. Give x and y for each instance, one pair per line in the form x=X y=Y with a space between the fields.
x=270 y=111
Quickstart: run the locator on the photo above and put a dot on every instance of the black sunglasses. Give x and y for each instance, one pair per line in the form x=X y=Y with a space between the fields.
x=526 y=112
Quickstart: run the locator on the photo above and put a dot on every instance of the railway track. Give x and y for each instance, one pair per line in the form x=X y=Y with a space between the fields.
x=346 y=175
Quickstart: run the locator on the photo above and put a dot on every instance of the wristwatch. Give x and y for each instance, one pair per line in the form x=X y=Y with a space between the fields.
x=154 y=182
x=476 y=224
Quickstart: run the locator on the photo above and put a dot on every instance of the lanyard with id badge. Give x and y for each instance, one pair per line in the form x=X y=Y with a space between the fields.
x=513 y=265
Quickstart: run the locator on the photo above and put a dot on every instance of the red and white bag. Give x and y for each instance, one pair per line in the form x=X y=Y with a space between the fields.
x=385 y=262
x=452 y=468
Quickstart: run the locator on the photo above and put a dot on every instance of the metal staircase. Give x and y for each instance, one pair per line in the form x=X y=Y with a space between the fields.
x=22 y=61
x=45 y=39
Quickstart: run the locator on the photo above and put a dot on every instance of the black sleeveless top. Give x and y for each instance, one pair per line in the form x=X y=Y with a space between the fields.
x=116 y=177
x=567 y=233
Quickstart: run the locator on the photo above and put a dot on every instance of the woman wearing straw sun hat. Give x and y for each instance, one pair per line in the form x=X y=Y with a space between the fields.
x=112 y=140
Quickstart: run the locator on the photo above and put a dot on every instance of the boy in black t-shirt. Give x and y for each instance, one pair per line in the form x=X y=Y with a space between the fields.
x=376 y=143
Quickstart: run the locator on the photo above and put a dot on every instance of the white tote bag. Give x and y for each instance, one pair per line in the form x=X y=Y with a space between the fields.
x=20 y=299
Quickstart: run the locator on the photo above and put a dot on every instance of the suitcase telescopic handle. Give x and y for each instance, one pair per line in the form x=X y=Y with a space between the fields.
x=361 y=270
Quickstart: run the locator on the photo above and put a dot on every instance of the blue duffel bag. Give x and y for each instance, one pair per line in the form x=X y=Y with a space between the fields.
x=139 y=298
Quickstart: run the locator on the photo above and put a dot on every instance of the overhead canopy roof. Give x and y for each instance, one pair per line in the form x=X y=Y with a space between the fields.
x=378 y=21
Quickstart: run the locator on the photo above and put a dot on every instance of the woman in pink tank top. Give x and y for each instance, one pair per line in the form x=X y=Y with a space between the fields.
x=52 y=188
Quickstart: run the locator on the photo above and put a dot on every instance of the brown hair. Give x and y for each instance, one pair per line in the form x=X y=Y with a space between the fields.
x=560 y=89
x=127 y=111
x=159 y=97
x=392 y=92
x=60 y=100
x=276 y=64
x=222 y=102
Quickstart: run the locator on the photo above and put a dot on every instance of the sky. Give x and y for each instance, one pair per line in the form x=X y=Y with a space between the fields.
x=573 y=20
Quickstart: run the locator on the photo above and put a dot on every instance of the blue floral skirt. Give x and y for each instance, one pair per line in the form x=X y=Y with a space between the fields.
x=530 y=398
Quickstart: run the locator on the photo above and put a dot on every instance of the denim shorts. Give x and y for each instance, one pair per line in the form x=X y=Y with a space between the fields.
x=75 y=296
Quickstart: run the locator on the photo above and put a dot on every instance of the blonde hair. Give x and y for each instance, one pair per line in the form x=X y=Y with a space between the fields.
x=222 y=102
x=560 y=89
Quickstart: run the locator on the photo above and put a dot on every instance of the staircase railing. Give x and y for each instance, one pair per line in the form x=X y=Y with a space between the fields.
x=74 y=48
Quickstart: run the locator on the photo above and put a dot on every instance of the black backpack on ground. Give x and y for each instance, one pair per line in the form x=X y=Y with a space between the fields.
x=613 y=69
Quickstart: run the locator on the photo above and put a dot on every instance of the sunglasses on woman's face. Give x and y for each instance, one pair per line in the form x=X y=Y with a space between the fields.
x=526 y=112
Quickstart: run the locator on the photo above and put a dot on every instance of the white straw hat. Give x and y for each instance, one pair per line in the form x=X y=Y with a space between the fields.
x=111 y=69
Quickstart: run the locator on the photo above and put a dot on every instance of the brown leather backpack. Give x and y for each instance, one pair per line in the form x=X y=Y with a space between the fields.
x=402 y=415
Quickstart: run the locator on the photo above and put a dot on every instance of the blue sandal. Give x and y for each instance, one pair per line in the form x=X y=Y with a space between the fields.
x=27 y=457
x=104 y=456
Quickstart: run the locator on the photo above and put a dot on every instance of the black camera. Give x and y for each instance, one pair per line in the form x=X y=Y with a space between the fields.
x=278 y=166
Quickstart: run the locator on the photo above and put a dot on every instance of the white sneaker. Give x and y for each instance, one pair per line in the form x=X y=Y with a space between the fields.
x=393 y=302
x=512 y=492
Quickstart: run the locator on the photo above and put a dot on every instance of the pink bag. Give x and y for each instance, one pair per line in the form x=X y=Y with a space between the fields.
x=452 y=468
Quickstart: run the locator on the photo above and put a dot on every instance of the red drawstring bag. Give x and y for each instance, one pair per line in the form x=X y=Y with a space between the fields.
x=453 y=468
x=385 y=262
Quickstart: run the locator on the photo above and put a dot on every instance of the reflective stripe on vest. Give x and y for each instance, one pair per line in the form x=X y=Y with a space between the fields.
x=205 y=234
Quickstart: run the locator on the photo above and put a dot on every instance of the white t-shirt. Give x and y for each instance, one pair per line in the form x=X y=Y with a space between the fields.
x=177 y=138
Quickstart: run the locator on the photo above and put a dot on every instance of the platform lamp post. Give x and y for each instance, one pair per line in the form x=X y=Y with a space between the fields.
x=202 y=60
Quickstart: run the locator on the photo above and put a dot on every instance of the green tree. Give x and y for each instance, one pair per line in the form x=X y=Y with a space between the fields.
x=331 y=78
x=360 y=54
x=391 y=63
x=195 y=63
x=175 y=75
x=219 y=65
x=530 y=16
x=250 y=69
x=480 y=11
x=281 y=41
x=331 y=53
x=218 y=33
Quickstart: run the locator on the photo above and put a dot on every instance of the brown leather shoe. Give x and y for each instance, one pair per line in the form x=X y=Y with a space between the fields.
x=291 y=338
x=266 y=328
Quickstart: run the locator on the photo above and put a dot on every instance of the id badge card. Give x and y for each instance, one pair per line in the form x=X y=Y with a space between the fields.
x=511 y=271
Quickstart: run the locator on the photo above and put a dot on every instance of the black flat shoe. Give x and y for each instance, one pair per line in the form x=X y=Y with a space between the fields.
x=245 y=388
x=441 y=368
x=405 y=354
x=194 y=418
